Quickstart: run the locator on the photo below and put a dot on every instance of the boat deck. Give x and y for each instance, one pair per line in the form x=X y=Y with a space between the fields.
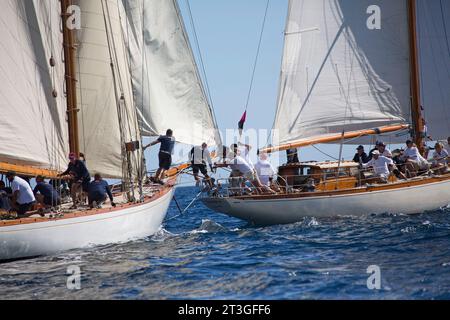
x=152 y=192
x=412 y=182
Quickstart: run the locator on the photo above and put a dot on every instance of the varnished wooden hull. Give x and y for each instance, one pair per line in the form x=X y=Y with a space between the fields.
x=408 y=198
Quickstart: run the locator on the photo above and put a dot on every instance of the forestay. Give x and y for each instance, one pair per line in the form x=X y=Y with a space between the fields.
x=32 y=122
x=167 y=85
x=340 y=72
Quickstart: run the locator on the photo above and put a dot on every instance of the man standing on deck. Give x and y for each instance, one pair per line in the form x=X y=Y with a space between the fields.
x=200 y=156
x=22 y=198
x=165 y=155
x=80 y=177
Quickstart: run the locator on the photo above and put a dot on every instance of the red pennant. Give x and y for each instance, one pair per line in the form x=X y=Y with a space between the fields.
x=242 y=121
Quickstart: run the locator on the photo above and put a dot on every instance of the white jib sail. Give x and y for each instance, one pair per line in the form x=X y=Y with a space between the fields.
x=346 y=67
x=168 y=88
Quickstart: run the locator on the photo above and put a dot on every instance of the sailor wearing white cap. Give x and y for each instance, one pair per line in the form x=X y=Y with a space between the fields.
x=382 y=166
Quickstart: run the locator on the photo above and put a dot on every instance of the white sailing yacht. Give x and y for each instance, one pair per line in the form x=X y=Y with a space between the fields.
x=352 y=71
x=127 y=72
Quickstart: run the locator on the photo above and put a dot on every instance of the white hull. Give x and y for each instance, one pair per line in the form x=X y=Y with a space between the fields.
x=406 y=200
x=49 y=237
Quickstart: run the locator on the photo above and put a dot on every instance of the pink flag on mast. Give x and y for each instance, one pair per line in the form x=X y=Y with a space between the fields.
x=242 y=122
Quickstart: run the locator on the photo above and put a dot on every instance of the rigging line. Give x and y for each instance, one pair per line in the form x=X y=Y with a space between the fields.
x=445 y=27
x=197 y=43
x=182 y=212
x=125 y=44
x=131 y=115
x=257 y=55
x=81 y=103
x=116 y=91
x=129 y=55
x=420 y=46
x=324 y=153
x=122 y=106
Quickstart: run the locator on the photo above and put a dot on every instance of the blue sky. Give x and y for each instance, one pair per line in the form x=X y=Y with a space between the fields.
x=228 y=33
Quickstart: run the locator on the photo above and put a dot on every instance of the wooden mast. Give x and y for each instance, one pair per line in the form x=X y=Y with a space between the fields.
x=416 y=110
x=71 y=82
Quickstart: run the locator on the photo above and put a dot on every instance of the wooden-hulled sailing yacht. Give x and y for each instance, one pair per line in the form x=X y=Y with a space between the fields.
x=127 y=71
x=348 y=78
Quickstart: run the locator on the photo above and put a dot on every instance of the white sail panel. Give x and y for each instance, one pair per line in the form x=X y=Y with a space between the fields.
x=33 y=126
x=337 y=74
x=433 y=25
x=102 y=41
x=168 y=88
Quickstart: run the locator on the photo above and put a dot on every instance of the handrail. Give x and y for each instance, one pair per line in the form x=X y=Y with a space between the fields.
x=233 y=190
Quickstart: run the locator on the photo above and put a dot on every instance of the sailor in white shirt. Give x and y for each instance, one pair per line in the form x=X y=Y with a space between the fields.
x=241 y=165
x=244 y=151
x=440 y=159
x=381 y=165
x=385 y=152
x=264 y=170
x=414 y=159
x=241 y=171
x=447 y=147
x=23 y=196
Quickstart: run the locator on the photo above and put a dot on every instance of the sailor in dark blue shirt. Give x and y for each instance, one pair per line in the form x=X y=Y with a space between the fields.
x=48 y=195
x=165 y=154
x=98 y=190
x=78 y=168
x=80 y=178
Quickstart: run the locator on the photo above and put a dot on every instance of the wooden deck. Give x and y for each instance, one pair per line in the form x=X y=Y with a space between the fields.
x=369 y=188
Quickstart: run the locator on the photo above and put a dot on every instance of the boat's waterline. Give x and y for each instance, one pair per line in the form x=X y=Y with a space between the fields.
x=49 y=237
x=406 y=200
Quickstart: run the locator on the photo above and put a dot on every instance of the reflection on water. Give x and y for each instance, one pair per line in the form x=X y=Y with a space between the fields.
x=203 y=255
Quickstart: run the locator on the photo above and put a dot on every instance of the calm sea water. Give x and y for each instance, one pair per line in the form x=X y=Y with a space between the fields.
x=204 y=255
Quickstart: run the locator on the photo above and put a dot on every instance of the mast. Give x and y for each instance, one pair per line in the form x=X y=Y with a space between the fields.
x=71 y=82
x=416 y=110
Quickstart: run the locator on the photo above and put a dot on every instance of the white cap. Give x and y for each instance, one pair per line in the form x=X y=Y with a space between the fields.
x=376 y=152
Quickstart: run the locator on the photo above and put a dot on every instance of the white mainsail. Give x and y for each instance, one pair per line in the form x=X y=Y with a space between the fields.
x=102 y=41
x=433 y=26
x=167 y=85
x=32 y=123
x=339 y=74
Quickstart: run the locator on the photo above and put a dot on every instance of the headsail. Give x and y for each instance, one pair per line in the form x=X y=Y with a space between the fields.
x=105 y=92
x=168 y=87
x=32 y=122
x=434 y=49
x=338 y=73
